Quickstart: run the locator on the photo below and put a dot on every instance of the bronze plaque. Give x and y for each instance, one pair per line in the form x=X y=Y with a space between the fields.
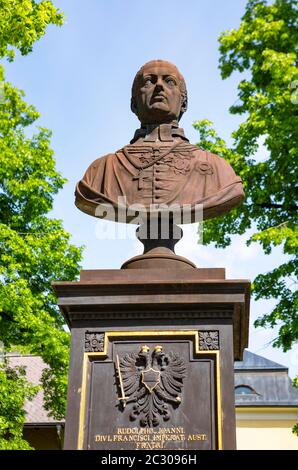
x=146 y=392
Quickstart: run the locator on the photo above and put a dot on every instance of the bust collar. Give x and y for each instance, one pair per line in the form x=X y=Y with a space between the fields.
x=162 y=132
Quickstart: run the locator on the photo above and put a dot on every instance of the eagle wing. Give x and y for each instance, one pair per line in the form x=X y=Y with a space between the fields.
x=130 y=375
x=172 y=377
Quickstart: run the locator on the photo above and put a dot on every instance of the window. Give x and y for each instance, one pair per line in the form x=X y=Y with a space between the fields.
x=244 y=390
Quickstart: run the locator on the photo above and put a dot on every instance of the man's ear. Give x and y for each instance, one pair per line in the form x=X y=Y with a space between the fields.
x=184 y=104
x=133 y=105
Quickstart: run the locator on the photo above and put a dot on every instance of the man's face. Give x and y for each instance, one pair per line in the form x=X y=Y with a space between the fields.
x=158 y=99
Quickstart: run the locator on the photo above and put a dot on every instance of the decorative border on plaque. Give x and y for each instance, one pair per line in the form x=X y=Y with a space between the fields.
x=209 y=340
x=94 y=341
x=194 y=335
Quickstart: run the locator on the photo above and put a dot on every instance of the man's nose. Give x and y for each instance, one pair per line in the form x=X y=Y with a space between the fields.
x=159 y=84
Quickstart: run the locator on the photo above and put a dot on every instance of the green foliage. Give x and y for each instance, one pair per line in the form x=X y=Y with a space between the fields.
x=14 y=390
x=238 y=220
x=34 y=250
x=264 y=47
x=295 y=427
x=22 y=22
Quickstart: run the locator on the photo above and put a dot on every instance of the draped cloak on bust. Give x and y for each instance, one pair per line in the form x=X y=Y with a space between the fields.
x=159 y=167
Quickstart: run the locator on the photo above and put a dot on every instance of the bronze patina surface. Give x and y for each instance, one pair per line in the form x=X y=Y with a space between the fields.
x=152 y=354
x=159 y=167
x=153 y=347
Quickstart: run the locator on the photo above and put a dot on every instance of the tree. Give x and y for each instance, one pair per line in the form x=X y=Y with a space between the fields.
x=264 y=50
x=34 y=249
x=22 y=22
x=14 y=389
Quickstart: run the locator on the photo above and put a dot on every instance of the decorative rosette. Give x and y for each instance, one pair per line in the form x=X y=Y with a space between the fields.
x=204 y=168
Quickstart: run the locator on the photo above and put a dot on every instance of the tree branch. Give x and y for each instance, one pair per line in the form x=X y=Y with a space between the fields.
x=269 y=205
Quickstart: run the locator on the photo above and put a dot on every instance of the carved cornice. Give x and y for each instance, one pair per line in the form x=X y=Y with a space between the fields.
x=78 y=316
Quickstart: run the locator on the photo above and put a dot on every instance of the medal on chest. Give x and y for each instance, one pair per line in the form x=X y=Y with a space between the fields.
x=176 y=158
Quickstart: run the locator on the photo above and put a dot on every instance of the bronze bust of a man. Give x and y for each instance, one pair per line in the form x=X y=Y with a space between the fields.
x=160 y=167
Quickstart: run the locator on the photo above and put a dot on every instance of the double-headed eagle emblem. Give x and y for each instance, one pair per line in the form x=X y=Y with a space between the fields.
x=152 y=382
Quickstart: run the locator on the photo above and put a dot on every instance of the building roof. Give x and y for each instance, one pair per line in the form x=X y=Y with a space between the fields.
x=254 y=362
x=36 y=414
x=261 y=382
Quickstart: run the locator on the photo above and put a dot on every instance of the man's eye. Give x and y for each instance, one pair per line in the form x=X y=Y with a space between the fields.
x=170 y=81
x=148 y=81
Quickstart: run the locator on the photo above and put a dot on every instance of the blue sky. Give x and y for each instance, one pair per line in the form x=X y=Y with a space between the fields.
x=79 y=78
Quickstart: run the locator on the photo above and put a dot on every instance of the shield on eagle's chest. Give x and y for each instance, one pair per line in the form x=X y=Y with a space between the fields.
x=150 y=378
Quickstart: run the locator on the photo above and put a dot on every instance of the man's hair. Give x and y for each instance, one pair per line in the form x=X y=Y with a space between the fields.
x=182 y=85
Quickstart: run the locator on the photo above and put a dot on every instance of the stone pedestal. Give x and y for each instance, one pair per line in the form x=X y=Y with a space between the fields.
x=152 y=358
